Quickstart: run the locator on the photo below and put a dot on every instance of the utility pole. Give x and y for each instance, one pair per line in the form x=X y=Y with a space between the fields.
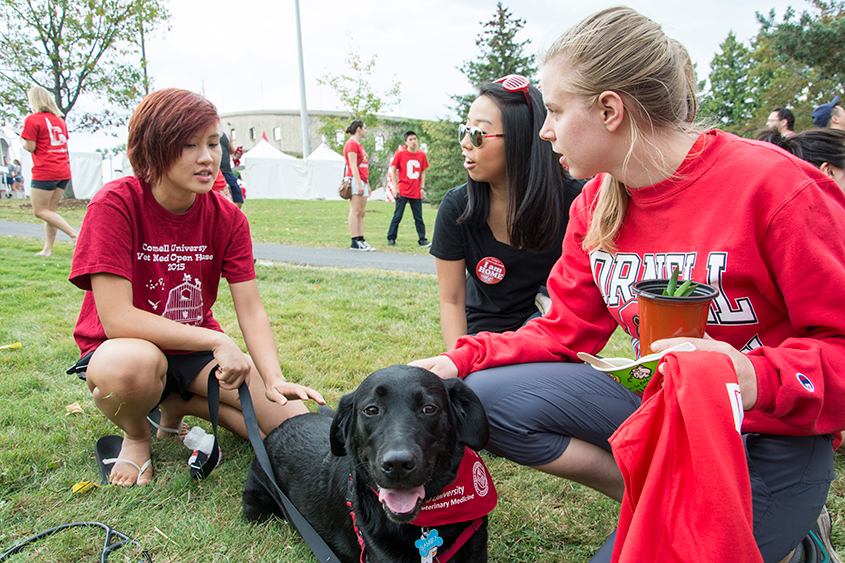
x=143 y=47
x=303 y=110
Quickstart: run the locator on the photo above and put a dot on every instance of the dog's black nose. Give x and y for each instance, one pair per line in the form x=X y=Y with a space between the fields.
x=397 y=464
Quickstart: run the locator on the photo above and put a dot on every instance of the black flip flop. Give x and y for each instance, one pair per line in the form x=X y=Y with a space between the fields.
x=154 y=417
x=107 y=447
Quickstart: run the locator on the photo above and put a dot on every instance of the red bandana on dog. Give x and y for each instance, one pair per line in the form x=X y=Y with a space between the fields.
x=471 y=495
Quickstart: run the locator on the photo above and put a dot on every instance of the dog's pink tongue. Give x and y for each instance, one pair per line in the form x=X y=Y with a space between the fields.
x=401 y=501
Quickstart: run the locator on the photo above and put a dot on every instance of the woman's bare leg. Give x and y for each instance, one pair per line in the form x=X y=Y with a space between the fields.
x=268 y=414
x=126 y=377
x=357 y=208
x=589 y=465
x=44 y=205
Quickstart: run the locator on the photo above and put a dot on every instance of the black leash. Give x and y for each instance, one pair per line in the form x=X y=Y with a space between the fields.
x=108 y=546
x=317 y=545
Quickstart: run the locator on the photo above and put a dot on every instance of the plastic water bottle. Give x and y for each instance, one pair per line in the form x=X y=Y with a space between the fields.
x=197 y=439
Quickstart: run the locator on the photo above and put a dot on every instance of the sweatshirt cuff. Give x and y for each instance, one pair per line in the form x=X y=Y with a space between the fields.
x=462 y=359
x=768 y=383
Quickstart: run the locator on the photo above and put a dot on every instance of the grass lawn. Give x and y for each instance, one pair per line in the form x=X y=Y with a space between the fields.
x=332 y=328
x=285 y=221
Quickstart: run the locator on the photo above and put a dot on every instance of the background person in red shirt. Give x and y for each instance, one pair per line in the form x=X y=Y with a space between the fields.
x=409 y=165
x=357 y=168
x=45 y=136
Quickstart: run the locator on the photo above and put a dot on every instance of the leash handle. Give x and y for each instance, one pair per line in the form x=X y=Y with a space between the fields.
x=316 y=543
x=202 y=469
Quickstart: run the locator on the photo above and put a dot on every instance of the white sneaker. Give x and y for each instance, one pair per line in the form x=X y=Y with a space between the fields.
x=361 y=246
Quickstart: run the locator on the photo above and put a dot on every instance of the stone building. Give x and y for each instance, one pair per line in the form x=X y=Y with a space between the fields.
x=283 y=128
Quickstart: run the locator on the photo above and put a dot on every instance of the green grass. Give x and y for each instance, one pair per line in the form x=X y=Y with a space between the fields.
x=332 y=328
x=285 y=221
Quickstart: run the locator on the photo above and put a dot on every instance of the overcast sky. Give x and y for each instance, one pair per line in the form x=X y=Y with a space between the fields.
x=243 y=54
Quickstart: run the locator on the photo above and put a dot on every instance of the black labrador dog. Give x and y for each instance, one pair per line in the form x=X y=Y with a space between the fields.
x=394 y=443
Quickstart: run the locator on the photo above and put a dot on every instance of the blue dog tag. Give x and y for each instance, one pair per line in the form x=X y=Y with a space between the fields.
x=427 y=545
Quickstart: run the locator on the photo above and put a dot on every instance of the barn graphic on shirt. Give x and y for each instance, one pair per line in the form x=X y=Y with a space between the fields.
x=184 y=302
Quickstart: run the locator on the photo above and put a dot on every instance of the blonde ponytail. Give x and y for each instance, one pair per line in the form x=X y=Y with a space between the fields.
x=608 y=215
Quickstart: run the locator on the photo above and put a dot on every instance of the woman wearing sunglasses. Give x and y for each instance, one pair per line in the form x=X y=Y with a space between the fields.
x=728 y=456
x=497 y=237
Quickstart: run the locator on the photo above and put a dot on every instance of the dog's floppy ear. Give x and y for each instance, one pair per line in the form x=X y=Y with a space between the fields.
x=342 y=425
x=470 y=419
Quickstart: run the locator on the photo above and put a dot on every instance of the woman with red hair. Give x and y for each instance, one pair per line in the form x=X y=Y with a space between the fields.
x=150 y=256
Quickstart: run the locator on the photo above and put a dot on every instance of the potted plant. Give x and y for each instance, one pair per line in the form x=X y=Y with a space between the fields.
x=669 y=310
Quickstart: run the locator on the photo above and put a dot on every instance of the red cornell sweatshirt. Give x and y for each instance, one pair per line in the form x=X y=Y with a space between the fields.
x=765 y=228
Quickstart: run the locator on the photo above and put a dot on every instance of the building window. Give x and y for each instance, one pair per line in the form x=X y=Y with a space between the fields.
x=232 y=135
x=277 y=133
x=252 y=133
x=379 y=143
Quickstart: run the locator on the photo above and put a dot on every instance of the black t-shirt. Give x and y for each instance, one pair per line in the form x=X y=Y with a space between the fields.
x=502 y=281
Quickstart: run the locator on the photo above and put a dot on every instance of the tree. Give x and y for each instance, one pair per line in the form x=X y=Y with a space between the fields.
x=794 y=63
x=500 y=54
x=362 y=102
x=815 y=41
x=730 y=99
x=74 y=48
x=795 y=66
x=444 y=154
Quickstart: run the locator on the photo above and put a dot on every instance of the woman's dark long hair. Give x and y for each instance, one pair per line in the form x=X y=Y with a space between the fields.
x=816 y=146
x=539 y=190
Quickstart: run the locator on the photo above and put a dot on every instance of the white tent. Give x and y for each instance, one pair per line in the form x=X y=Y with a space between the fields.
x=271 y=174
x=326 y=171
x=115 y=167
x=86 y=170
x=10 y=143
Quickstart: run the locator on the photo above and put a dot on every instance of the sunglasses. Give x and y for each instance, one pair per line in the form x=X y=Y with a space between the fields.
x=517 y=83
x=476 y=135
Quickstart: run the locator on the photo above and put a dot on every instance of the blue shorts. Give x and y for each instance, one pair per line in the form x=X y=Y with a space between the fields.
x=234 y=187
x=181 y=370
x=49 y=185
x=355 y=188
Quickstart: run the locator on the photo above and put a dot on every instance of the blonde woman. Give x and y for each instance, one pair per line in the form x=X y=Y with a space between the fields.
x=45 y=136
x=764 y=227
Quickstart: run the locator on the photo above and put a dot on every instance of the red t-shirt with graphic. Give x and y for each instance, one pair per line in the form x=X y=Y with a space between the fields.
x=363 y=167
x=50 y=159
x=174 y=261
x=410 y=166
